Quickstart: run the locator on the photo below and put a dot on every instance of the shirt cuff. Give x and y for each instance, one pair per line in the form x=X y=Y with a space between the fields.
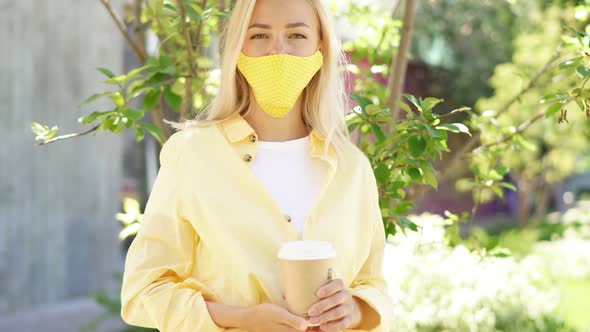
x=379 y=302
x=185 y=316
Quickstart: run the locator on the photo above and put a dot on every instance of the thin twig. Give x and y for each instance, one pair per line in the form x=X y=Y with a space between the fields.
x=453 y=167
x=187 y=37
x=520 y=129
x=138 y=28
x=455 y=111
x=399 y=63
x=187 y=100
x=139 y=53
x=158 y=118
x=59 y=138
x=548 y=65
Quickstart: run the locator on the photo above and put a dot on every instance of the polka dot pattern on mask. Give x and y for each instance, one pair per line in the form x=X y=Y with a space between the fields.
x=278 y=80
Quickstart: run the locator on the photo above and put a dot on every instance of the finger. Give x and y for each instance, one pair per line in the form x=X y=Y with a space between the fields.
x=283 y=316
x=333 y=314
x=337 y=326
x=330 y=288
x=328 y=303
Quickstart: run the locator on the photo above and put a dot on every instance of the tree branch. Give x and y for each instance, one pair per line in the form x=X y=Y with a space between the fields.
x=523 y=126
x=138 y=28
x=187 y=100
x=59 y=138
x=454 y=167
x=158 y=118
x=187 y=37
x=139 y=53
x=399 y=63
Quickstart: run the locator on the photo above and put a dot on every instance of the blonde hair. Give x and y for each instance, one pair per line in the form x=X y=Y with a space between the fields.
x=324 y=100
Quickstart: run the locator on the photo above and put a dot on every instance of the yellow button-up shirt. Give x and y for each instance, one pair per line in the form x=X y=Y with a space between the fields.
x=211 y=231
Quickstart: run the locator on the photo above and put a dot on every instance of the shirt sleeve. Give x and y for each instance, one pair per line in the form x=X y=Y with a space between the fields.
x=157 y=290
x=369 y=285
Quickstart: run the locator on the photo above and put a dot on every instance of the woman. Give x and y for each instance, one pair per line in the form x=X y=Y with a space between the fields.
x=271 y=163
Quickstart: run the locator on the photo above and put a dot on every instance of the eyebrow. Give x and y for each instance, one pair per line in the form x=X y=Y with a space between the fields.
x=288 y=26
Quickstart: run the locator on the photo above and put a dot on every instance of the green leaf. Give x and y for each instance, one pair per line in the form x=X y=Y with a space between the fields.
x=407 y=223
x=372 y=109
x=193 y=15
x=414 y=101
x=581 y=104
x=155 y=79
x=153 y=130
x=476 y=171
x=502 y=170
x=88 y=119
x=500 y=252
x=429 y=177
x=129 y=231
x=171 y=7
x=151 y=99
x=507 y=185
x=433 y=133
x=139 y=133
x=552 y=97
x=117 y=80
x=406 y=108
x=165 y=61
x=106 y=72
x=572 y=30
x=417 y=145
x=136 y=71
x=51 y=132
x=455 y=128
x=583 y=71
x=429 y=103
x=39 y=129
x=118 y=99
x=131 y=114
x=362 y=101
x=382 y=173
x=94 y=97
x=173 y=100
x=353 y=126
x=554 y=108
x=403 y=207
x=379 y=134
x=497 y=191
x=414 y=173
x=570 y=63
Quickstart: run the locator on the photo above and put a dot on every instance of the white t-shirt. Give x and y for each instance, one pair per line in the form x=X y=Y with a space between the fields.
x=292 y=177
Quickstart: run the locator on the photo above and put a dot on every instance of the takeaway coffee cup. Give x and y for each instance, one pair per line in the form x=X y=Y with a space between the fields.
x=305 y=266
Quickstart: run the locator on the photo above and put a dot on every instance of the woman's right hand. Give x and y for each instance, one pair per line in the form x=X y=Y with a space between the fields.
x=268 y=317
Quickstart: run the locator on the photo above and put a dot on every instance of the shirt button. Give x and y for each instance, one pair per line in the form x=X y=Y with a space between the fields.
x=288 y=218
x=247 y=158
x=253 y=138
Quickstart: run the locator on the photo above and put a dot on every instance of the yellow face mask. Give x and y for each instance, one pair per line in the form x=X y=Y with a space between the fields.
x=278 y=80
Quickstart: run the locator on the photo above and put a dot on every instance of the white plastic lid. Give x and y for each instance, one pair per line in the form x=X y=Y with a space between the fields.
x=306 y=250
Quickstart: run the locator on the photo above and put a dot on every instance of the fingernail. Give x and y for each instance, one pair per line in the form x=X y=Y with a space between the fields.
x=321 y=293
x=312 y=312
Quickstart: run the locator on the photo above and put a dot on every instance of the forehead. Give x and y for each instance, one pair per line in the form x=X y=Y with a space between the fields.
x=281 y=12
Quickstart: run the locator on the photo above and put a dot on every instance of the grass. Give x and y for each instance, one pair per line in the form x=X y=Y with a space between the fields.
x=576 y=304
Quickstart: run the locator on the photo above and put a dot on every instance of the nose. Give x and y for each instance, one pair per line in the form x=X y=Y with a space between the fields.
x=277 y=46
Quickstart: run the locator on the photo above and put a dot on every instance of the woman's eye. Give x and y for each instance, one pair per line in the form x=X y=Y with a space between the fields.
x=298 y=36
x=258 y=36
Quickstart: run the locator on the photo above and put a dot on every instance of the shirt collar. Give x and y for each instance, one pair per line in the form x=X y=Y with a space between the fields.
x=237 y=129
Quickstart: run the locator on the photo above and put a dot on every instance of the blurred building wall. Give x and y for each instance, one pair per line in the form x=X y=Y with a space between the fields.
x=58 y=235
